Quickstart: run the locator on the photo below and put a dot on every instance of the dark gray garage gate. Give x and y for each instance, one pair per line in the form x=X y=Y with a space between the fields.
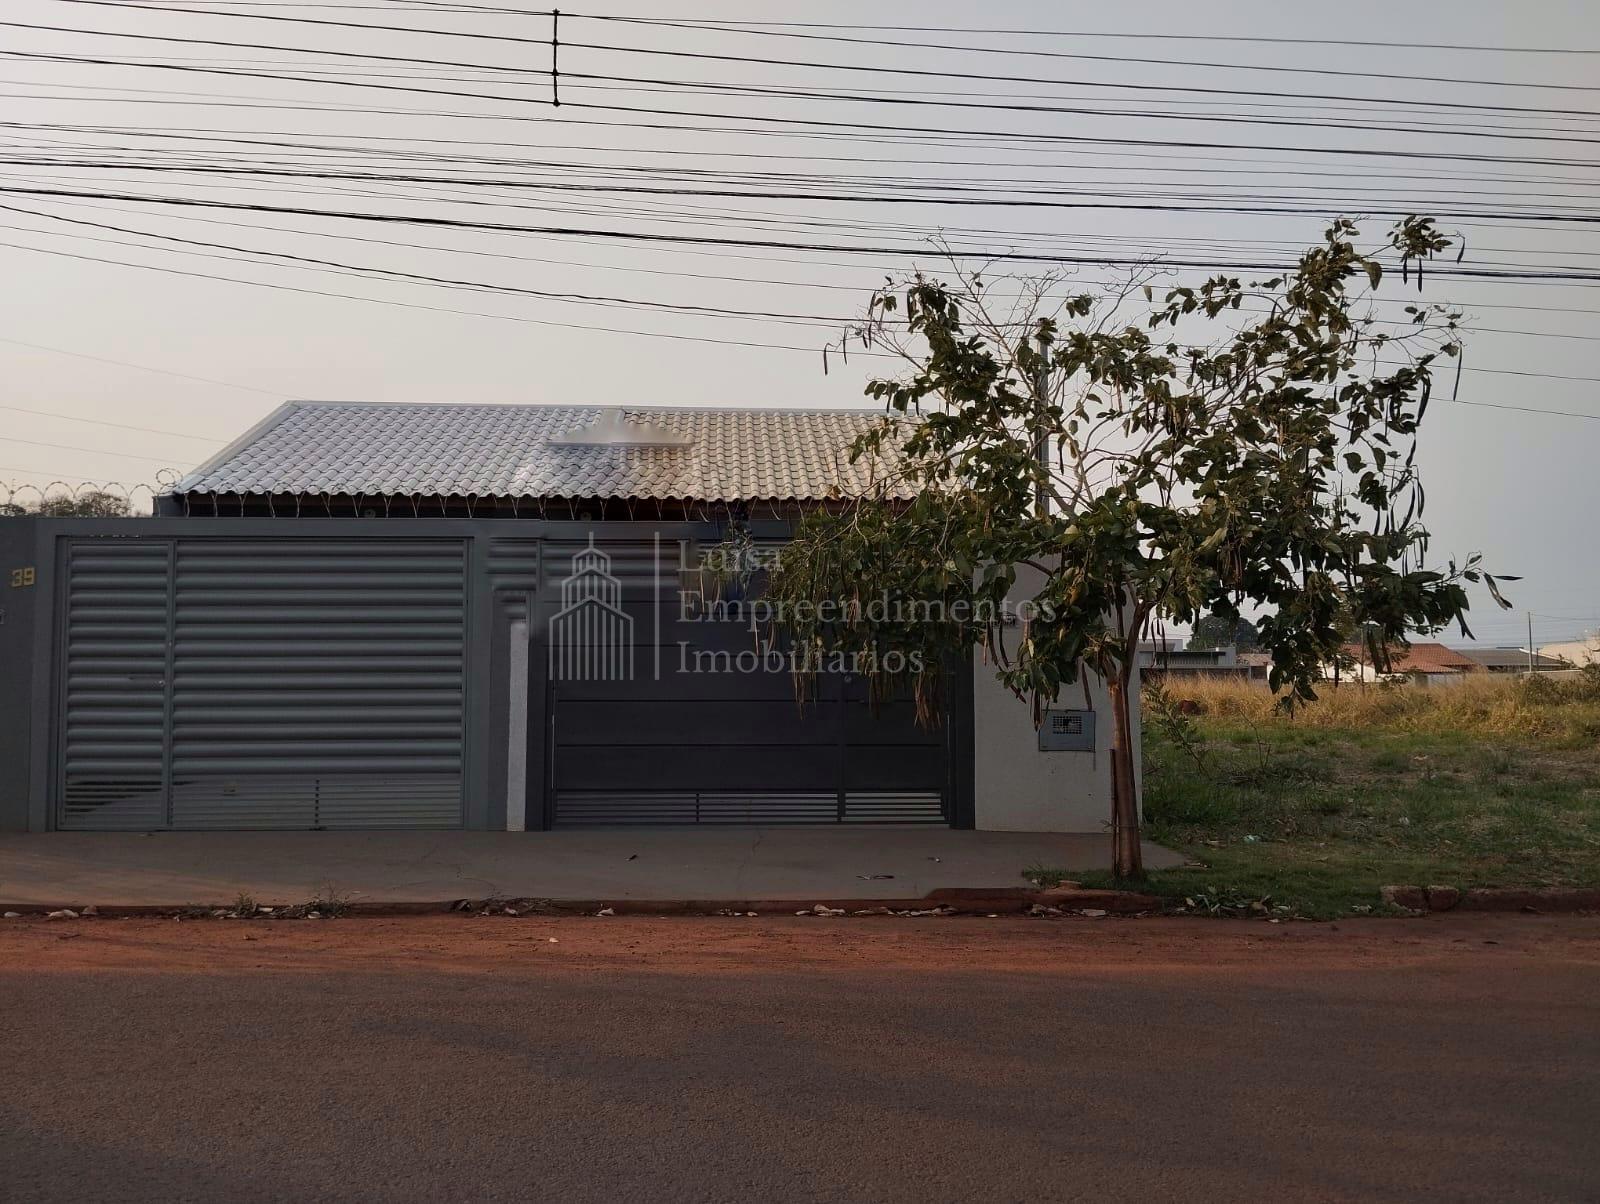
x=704 y=729
x=262 y=683
x=256 y=673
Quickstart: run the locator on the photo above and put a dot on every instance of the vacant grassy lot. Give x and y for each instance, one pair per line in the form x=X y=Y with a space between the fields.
x=1495 y=782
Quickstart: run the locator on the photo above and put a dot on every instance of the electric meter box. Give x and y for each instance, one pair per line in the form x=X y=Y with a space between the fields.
x=1067 y=731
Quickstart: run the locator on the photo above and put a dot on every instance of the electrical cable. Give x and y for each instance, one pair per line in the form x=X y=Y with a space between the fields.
x=227 y=384
x=711 y=240
x=704 y=26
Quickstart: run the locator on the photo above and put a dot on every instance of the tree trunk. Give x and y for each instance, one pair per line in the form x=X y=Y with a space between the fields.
x=1127 y=859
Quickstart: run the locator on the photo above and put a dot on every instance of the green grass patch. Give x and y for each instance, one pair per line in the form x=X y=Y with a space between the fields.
x=1492 y=784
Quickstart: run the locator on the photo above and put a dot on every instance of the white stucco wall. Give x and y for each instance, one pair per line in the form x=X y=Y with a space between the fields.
x=1017 y=788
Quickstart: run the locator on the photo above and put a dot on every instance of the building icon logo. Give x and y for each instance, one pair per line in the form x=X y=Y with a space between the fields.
x=591 y=636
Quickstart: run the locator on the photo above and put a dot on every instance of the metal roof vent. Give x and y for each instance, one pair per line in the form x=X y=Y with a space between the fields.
x=613 y=429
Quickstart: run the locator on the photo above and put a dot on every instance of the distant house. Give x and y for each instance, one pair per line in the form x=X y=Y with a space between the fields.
x=1577 y=653
x=1168 y=659
x=1512 y=660
x=1256 y=664
x=1426 y=663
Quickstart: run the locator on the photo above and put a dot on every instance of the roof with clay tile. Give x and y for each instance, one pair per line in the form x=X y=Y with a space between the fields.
x=1420 y=657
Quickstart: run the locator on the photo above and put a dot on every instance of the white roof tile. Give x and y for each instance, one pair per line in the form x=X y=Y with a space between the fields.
x=514 y=451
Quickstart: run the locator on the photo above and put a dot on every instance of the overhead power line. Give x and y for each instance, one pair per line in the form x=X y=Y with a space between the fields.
x=1493 y=405
x=99 y=451
x=1029 y=198
x=1071 y=33
x=641 y=236
x=735 y=88
x=540 y=294
x=1054 y=54
x=918 y=137
x=464 y=8
x=781 y=282
x=121 y=426
x=1145 y=162
x=364 y=26
x=311 y=292
x=1085 y=139
x=1011 y=78
x=53 y=476
x=568 y=326
x=369 y=271
x=748 y=89
x=732 y=28
x=328 y=170
x=875 y=69
x=785 y=281
x=227 y=384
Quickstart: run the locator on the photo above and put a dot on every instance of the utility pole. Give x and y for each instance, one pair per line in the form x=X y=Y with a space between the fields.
x=1530 y=642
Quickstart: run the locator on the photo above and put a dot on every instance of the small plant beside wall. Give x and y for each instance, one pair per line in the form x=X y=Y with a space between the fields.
x=329 y=903
x=1169 y=717
x=1043 y=876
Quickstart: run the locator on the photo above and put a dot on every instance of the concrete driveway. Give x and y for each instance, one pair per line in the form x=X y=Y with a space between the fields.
x=173 y=869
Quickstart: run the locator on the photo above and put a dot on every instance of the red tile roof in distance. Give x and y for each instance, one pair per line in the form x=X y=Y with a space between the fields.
x=1420 y=658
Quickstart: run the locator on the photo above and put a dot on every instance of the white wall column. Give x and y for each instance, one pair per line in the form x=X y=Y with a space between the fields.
x=1016 y=787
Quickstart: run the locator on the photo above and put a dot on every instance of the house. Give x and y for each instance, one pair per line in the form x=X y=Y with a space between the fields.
x=1172 y=659
x=1512 y=660
x=1423 y=662
x=1256 y=664
x=1577 y=653
x=488 y=617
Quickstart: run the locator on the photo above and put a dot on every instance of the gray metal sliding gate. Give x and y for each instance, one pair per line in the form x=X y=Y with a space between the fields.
x=694 y=726
x=257 y=673
x=262 y=683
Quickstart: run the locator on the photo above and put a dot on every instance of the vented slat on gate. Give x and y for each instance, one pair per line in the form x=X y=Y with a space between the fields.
x=114 y=685
x=319 y=684
x=309 y=683
x=886 y=807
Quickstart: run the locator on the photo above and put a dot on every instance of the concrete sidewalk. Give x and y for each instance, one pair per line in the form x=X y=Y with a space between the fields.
x=116 y=869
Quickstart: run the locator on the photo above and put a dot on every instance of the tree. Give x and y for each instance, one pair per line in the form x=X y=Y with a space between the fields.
x=1237 y=444
x=1218 y=631
x=91 y=503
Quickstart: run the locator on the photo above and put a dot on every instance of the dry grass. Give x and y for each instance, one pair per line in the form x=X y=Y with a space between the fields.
x=1493 y=782
x=1563 y=711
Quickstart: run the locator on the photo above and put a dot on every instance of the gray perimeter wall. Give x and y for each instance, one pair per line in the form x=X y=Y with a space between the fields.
x=18 y=717
x=503 y=572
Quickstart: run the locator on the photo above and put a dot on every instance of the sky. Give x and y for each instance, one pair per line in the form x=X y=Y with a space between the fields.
x=125 y=354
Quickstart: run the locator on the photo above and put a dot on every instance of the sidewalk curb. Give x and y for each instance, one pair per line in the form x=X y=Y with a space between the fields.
x=950 y=900
x=1492 y=898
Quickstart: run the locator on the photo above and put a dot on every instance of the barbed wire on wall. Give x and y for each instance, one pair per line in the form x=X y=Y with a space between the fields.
x=436 y=505
x=72 y=498
x=77 y=498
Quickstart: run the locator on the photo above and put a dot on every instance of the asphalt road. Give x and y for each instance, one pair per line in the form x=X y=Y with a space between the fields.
x=447 y=1058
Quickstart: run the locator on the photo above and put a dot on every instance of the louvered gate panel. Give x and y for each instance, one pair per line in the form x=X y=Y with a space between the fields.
x=683 y=737
x=318 y=684
x=114 y=693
